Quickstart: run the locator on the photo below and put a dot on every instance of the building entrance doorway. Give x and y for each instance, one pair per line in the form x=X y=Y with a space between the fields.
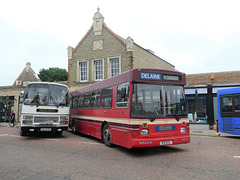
x=6 y=105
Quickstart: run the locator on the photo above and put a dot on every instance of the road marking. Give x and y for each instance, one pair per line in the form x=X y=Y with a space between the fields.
x=15 y=136
x=89 y=143
x=3 y=134
x=53 y=139
x=236 y=157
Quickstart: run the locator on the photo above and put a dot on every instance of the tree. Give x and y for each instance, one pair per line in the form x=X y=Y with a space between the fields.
x=53 y=75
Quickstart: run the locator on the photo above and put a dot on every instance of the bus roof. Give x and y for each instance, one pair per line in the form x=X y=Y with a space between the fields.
x=132 y=76
x=53 y=83
x=228 y=91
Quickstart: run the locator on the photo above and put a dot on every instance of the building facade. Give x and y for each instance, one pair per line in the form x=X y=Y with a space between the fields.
x=102 y=54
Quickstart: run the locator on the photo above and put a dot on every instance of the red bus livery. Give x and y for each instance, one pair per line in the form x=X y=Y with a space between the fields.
x=138 y=108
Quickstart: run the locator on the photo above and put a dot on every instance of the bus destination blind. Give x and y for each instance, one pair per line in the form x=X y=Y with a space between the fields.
x=159 y=77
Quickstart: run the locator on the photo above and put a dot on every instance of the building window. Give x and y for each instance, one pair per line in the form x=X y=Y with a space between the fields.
x=83 y=71
x=98 y=70
x=114 y=66
x=197 y=109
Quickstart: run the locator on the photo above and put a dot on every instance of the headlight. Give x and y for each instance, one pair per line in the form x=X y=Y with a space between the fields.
x=28 y=120
x=144 y=132
x=64 y=120
x=183 y=129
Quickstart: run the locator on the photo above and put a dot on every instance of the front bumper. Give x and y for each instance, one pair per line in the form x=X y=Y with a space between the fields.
x=43 y=129
x=154 y=142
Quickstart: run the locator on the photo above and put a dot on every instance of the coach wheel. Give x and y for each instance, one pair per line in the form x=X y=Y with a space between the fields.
x=23 y=133
x=59 y=133
x=107 y=135
x=74 y=128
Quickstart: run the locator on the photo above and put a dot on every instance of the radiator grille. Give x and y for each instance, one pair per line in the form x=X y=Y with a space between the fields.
x=45 y=119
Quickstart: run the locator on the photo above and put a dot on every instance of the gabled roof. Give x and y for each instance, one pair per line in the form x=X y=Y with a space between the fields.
x=27 y=75
x=149 y=51
x=83 y=39
x=122 y=41
x=117 y=37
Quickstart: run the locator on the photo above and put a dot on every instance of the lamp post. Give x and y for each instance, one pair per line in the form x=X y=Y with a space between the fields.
x=196 y=105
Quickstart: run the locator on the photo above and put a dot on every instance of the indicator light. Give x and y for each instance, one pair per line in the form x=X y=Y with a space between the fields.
x=145 y=125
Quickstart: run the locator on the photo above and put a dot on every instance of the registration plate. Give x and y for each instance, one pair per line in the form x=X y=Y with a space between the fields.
x=166 y=142
x=165 y=128
x=46 y=129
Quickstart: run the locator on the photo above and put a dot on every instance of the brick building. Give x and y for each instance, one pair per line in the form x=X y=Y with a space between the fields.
x=102 y=54
x=201 y=94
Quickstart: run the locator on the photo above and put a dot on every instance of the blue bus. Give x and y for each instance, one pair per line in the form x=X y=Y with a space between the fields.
x=229 y=110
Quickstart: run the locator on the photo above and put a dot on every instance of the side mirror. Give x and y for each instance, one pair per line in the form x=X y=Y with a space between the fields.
x=21 y=94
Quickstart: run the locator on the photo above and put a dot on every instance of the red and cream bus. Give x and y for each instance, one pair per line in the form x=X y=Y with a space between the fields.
x=138 y=108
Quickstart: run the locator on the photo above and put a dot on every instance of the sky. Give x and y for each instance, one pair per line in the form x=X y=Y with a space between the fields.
x=196 y=36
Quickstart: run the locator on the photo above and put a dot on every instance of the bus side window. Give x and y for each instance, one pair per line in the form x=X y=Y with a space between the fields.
x=106 y=98
x=80 y=101
x=226 y=104
x=74 y=102
x=96 y=99
x=122 y=95
x=87 y=100
x=237 y=104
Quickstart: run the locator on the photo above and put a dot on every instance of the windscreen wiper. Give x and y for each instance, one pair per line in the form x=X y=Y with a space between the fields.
x=154 y=116
x=176 y=113
x=38 y=102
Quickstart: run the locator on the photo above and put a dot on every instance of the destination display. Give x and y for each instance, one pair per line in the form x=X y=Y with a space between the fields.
x=159 y=77
x=47 y=110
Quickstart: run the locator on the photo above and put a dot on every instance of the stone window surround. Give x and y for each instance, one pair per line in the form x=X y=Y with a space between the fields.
x=93 y=69
x=78 y=70
x=109 y=64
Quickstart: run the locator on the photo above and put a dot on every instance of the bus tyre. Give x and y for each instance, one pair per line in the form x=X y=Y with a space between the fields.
x=106 y=135
x=74 y=128
x=23 y=133
x=59 y=133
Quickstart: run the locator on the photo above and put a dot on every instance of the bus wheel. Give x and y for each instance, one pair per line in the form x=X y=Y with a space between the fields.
x=107 y=135
x=23 y=133
x=74 y=128
x=59 y=133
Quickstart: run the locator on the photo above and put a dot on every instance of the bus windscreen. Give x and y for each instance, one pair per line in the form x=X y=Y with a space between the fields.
x=157 y=100
x=44 y=94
